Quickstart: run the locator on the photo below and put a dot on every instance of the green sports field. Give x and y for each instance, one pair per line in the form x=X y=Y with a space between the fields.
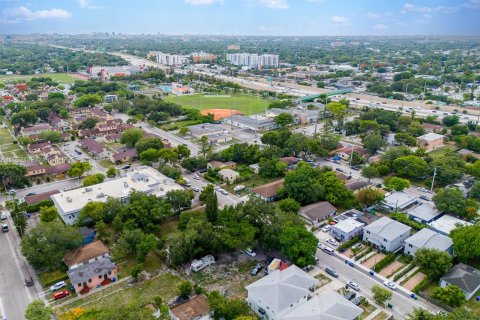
x=58 y=77
x=246 y=104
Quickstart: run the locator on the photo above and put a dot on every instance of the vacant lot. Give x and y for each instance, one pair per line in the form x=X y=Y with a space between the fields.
x=246 y=104
x=373 y=260
x=58 y=77
x=413 y=281
x=8 y=150
x=391 y=268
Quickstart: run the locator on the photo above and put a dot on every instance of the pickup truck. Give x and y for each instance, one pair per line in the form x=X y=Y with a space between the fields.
x=204 y=262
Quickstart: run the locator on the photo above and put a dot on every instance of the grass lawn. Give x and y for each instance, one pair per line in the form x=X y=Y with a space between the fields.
x=164 y=286
x=106 y=163
x=5 y=136
x=49 y=278
x=246 y=104
x=442 y=151
x=473 y=304
x=10 y=147
x=58 y=77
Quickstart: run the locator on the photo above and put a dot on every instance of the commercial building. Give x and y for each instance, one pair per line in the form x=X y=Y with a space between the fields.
x=171 y=59
x=147 y=180
x=386 y=234
x=108 y=72
x=199 y=57
x=207 y=129
x=253 y=60
x=256 y=123
x=429 y=239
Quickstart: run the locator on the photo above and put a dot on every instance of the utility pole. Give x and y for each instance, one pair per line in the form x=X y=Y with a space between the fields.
x=433 y=179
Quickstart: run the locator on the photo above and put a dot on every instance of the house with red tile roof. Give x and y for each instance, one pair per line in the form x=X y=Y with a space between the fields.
x=94 y=148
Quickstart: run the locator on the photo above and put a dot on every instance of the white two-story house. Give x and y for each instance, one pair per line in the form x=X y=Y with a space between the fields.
x=386 y=234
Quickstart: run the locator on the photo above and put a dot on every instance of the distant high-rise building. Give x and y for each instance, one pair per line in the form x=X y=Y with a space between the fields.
x=171 y=59
x=201 y=56
x=233 y=47
x=253 y=60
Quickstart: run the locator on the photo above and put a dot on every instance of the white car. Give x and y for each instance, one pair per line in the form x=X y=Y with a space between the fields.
x=390 y=285
x=223 y=192
x=326 y=228
x=196 y=189
x=196 y=177
x=353 y=285
x=218 y=189
x=250 y=252
x=320 y=246
x=4 y=215
x=332 y=242
x=58 y=285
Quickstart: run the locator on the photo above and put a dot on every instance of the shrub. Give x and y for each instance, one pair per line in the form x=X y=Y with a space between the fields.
x=403 y=218
x=36 y=207
x=403 y=272
x=348 y=244
x=389 y=258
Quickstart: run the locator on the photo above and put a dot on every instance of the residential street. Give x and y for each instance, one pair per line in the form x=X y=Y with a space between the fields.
x=402 y=305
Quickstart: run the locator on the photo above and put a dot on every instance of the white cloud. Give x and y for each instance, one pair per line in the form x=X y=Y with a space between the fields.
x=408 y=7
x=22 y=13
x=373 y=15
x=88 y=5
x=339 y=19
x=472 y=4
x=202 y=2
x=274 y=4
x=380 y=26
x=427 y=16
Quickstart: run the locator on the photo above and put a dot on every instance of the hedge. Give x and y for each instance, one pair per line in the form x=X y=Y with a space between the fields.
x=403 y=272
x=48 y=278
x=384 y=262
x=363 y=254
x=36 y=207
x=403 y=218
x=421 y=285
x=348 y=244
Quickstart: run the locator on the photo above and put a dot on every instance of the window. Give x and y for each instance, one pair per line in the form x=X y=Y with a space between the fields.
x=368 y=232
x=384 y=240
x=89 y=280
x=410 y=245
x=79 y=284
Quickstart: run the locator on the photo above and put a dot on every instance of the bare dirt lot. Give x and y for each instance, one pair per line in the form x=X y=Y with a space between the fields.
x=373 y=260
x=416 y=279
x=391 y=268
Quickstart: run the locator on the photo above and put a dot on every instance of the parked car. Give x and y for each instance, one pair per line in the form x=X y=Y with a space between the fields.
x=269 y=260
x=58 y=285
x=357 y=300
x=4 y=215
x=353 y=285
x=357 y=246
x=223 y=192
x=332 y=242
x=339 y=169
x=320 y=246
x=328 y=250
x=250 y=252
x=390 y=284
x=256 y=269
x=218 y=189
x=326 y=228
x=425 y=198
x=349 y=295
x=331 y=272
x=196 y=177
x=4 y=227
x=61 y=294
x=196 y=189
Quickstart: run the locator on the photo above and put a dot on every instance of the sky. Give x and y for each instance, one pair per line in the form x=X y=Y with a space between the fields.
x=243 y=17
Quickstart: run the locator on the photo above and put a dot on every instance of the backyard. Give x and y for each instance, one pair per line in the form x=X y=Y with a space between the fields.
x=246 y=104
x=61 y=78
x=8 y=149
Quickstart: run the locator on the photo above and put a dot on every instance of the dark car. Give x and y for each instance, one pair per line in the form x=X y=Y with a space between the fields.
x=350 y=295
x=269 y=260
x=256 y=269
x=357 y=300
x=181 y=299
x=31 y=194
x=331 y=272
x=424 y=198
x=356 y=168
x=339 y=170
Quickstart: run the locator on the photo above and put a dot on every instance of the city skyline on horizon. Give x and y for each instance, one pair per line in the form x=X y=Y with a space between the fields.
x=243 y=17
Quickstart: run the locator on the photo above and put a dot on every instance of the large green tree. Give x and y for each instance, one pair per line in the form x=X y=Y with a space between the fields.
x=410 y=167
x=37 y=310
x=78 y=169
x=396 y=183
x=209 y=198
x=45 y=244
x=180 y=199
x=284 y=119
x=450 y=295
x=304 y=185
x=131 y=136
x=466 y=242
x=373 y=143
x=298 y=244
x=435 y=262
x=381 y=294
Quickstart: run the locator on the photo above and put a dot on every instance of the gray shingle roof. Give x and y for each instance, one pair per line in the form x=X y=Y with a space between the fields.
x=91 y=270
x=464 y=277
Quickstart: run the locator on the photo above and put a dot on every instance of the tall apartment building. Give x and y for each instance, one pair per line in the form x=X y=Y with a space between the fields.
x=253 y=60
x=171 y=59
x=202 y=56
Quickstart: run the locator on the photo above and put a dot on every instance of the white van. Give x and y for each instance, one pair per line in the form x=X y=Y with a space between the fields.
x=198 y=265
x=329 y=250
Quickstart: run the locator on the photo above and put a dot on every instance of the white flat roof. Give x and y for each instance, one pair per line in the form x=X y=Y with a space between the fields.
x=146 y=180
x=447 y=223
x=348 y=225
x=400 y=200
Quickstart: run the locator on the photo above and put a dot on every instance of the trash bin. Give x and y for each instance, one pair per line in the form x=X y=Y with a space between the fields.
x=372 y=273
x=412 y=296
x=389 y=305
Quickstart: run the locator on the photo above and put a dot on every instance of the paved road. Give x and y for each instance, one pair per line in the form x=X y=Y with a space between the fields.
x=402 y=305
x=172 y=138
x=66 y=184
x=14 y=295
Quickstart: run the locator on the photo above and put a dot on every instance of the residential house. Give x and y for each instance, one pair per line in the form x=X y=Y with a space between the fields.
x=386 y=234
x=290 y=161
x=36 y=148
x=128 y=155
x=430 y=141
x=432 y=128
x=347 y=229
x=53 y=155
x=318 y=211
x=94 y=148
x=88 y=235
x=36 y=129
x=269 y=191
x=58 y=171
x=274 y=296
x=346 y=152
x=327 y=305
x=229 y=175
x=425 y=212
x=37 y=198
x=221 y=165
x=429 y=239
x=195 y=308
x=56 y=121
x=356 y=184
x=399 y=201
x=86 y=254
x=92 y=275
x=109 y=98
x=446 y=224
x=463 y=276
x=35 y=170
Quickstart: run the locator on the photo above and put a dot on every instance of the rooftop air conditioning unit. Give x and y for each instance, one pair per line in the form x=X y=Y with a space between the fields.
x=69 y=199
x=88 y=189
